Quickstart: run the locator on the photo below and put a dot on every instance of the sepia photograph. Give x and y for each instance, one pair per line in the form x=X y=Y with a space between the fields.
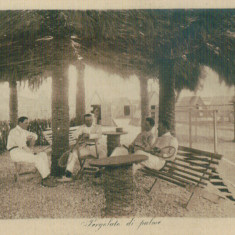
x=116 y=118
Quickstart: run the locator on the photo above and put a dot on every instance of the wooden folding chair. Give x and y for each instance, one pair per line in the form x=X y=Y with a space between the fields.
x=18 y=172
x=18 y=165
x=73 y=142
x=82 y=160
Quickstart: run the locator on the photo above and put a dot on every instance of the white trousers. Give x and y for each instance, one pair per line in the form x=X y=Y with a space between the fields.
x=84 y=151
x=153 y=162
x=40 y=160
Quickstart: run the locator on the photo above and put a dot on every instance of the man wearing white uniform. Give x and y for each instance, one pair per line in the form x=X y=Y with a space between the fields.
x=20 y=152
x=142 y=141
x=143 y=146
x=158 y=160
x=88 y=131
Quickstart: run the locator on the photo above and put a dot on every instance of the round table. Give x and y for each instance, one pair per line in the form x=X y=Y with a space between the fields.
x=119 y=183
x=113 y=140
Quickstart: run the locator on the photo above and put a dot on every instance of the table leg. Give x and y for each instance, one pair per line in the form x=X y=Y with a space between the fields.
x=113 y=141
x=119 y=191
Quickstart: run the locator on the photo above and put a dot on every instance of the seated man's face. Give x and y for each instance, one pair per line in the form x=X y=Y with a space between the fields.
x=24 y=125
x=88 y=121
x=148 y=127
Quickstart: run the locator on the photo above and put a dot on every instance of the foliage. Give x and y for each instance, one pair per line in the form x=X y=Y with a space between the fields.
x=137 y=42
x=124 y=42
x=36 y=126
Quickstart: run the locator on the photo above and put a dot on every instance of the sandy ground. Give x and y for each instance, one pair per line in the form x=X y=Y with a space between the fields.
x=85 y=199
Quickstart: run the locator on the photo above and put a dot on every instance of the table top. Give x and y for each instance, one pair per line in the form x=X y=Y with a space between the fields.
x=114 y=133
x=118 y=160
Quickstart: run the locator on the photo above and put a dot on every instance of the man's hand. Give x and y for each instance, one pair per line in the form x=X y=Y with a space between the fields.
x=26 y=149
x=148 y=148
x=86 y=136
x=31 y=140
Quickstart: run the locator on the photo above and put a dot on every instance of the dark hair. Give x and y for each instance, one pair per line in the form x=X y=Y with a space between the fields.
x=87 y=115
x=151 y=121
x=21 y=119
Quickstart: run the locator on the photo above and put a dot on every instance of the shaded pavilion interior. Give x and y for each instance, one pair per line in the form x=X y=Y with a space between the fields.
x=169 y=45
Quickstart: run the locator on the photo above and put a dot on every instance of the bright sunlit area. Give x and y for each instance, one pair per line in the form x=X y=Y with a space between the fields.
x=108 y=86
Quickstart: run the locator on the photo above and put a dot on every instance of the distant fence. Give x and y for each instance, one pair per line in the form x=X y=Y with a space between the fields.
x=204 y=127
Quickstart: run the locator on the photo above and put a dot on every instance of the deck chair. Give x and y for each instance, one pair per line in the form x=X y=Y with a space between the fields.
x=62 y=162
x=82 y=160
x=192 y=169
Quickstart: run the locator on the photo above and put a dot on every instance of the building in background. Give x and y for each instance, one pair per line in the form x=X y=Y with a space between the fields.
x=123 y=107
x=105 y=106
x=195 y=104
x=153 y=104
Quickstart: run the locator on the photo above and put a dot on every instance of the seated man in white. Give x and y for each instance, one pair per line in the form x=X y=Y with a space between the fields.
x=87 y=131
x=19 y=151
x=142 y=141
x=158 y=160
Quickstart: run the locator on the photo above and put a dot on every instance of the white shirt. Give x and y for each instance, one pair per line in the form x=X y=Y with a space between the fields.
x=94 y=131
x=18 y=137
x=167 y=140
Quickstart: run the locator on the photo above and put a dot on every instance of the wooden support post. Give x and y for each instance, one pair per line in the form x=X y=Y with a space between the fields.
x=215 y=129
x=196 y=124
x=234 y=120
x=190 y=128
x=156 y=120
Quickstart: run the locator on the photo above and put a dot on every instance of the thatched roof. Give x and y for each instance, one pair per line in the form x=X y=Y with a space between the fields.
x=28 y=49
x=123 y=42
x=221 y=100
x=136 y=42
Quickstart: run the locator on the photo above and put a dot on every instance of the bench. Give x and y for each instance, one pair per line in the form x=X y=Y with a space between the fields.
x=48 y=135
x=191 y=169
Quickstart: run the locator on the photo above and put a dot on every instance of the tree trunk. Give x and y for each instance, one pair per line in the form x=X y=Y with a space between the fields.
x=177 y=96
x=166 y=96
x=144 y=101
x=60 y=109
x=13 y=103
x=80 y=94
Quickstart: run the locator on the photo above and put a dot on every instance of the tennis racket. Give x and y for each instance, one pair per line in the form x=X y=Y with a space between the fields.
x=166 y=152
x=62 y=162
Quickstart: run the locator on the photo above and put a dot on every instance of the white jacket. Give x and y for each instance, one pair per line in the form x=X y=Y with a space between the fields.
x=18 y=137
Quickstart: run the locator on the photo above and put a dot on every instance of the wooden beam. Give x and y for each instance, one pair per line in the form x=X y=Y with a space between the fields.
x=200 y=152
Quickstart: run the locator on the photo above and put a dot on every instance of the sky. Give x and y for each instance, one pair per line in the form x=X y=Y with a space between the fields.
x=110 y=86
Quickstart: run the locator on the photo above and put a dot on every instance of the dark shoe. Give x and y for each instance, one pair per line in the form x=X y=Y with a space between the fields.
x=64 y=179
x=48 y=182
